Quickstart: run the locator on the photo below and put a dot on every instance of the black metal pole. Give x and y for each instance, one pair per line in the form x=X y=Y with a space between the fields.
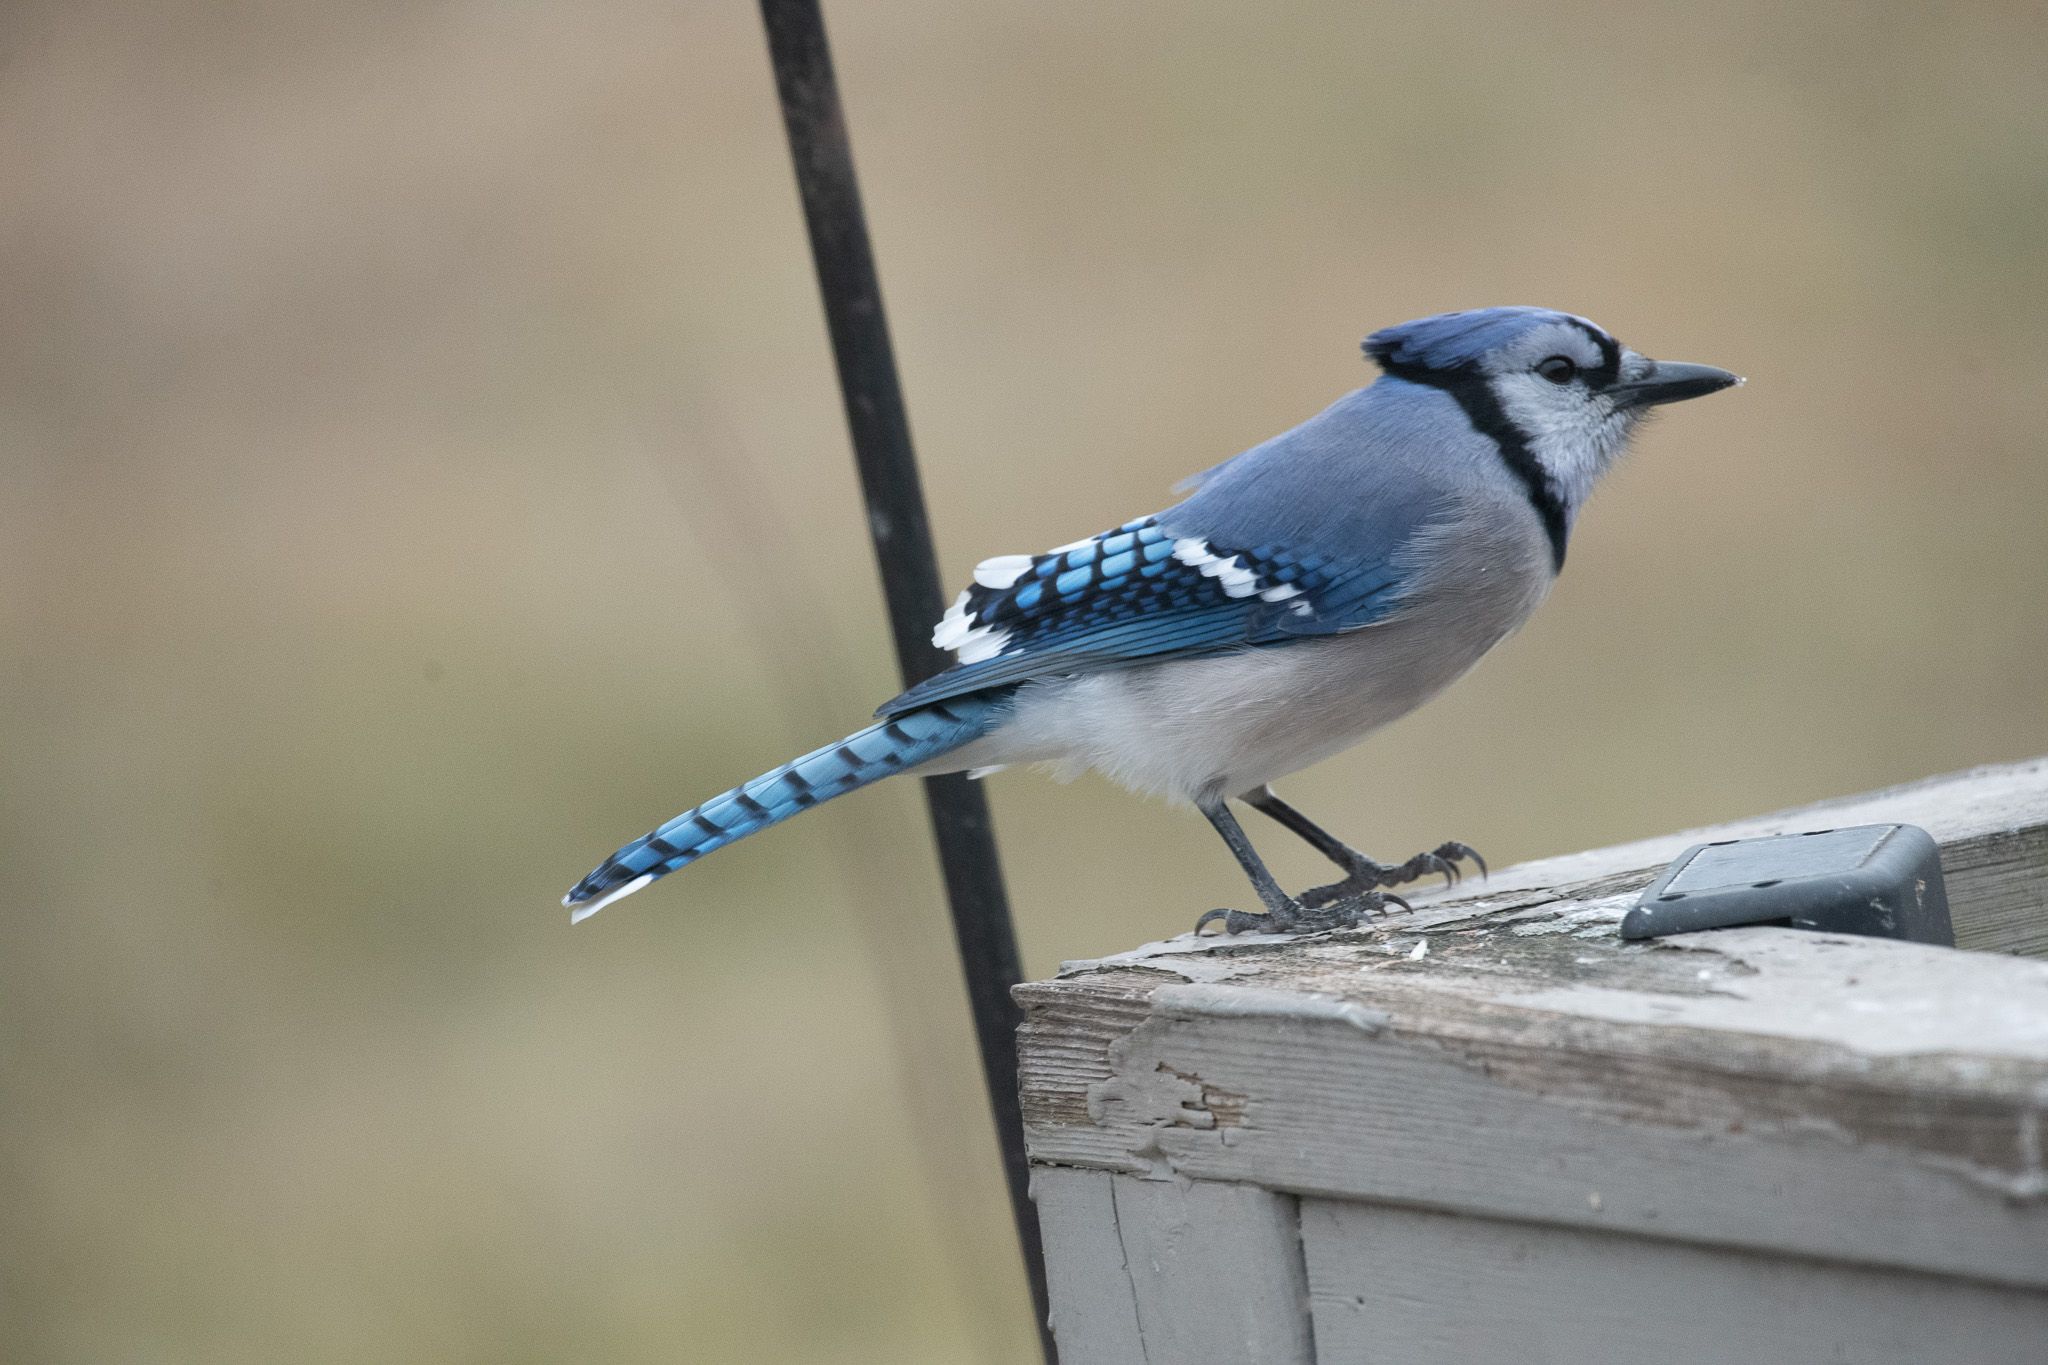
x=902 y=533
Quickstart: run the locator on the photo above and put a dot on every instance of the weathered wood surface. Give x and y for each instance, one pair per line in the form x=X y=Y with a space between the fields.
x=1409 y=1287
x=1848 y=1108
x=1191 y=1272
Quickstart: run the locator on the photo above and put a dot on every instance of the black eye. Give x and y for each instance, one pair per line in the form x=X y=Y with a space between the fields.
x=1558 y=369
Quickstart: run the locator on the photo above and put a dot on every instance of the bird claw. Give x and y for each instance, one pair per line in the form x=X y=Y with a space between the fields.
x=1302 y=917
x=1442 y=860
x=1452 y=852
x=1234 y=921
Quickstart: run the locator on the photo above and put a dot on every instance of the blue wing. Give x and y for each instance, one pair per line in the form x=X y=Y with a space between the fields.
x=1140 y=592
x=1307 y=534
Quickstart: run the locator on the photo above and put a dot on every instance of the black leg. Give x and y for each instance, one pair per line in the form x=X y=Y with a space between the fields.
x=1360 y=872
x=1267 y=802
x=1284 y=914
x=1276 y=901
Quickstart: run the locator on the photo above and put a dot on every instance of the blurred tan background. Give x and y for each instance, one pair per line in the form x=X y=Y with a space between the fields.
x=423 y=471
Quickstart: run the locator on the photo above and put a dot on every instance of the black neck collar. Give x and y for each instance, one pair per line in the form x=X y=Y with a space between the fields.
x=1475 y=396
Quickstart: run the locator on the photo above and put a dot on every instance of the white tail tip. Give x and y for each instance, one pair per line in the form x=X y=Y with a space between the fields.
x=580 y=913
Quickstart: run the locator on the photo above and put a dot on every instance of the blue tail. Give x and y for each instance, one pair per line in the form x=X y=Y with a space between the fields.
x=887 y=747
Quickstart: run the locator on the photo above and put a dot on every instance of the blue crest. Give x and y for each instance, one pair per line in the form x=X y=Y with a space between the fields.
x=1450 y=341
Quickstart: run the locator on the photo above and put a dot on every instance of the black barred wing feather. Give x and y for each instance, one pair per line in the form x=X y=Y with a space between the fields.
x=1135 y=593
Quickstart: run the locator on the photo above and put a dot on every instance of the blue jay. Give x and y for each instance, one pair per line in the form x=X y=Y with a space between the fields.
x=1304 y=594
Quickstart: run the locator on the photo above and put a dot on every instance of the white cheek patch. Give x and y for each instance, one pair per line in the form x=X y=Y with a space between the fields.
x=1573 y=436
x=1234 y=578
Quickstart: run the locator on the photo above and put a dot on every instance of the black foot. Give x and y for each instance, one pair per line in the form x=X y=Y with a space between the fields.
x=1302 y=917
x=1367 y=875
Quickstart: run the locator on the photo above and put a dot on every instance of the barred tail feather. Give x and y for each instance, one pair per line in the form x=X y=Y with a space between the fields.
x=887 y=747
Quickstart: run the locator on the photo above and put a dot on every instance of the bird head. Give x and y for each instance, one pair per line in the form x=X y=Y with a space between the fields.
x=1559 y=389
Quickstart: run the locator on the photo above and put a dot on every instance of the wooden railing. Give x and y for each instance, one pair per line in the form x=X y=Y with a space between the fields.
x=1490 y=1130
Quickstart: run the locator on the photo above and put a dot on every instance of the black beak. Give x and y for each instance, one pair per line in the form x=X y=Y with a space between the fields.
x=1672 y=381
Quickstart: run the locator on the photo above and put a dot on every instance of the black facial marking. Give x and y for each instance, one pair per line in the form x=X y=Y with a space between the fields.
x=1609 y=368
x=1476 y=397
